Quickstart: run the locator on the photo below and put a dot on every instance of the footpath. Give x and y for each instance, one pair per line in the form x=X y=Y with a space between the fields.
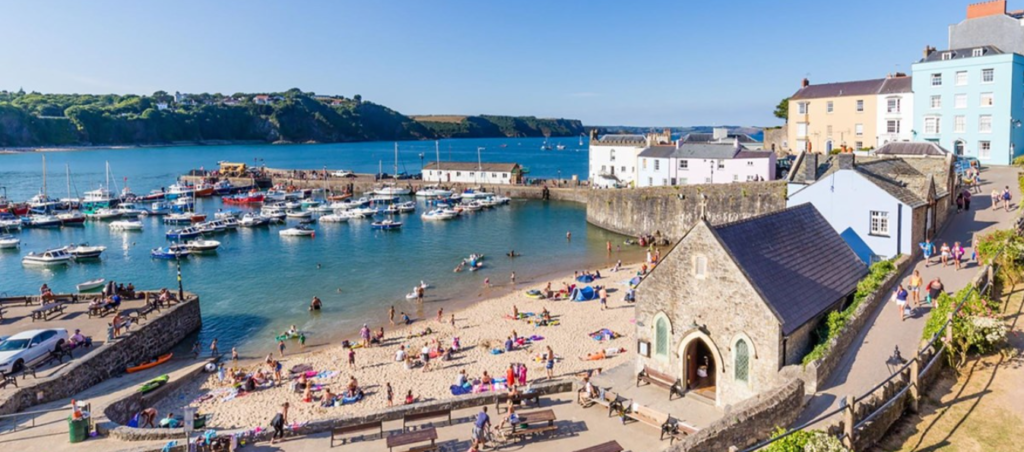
x=867 y=362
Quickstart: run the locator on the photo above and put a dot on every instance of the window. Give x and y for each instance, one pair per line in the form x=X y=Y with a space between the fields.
x=700 y=266
x=936 y=79
x=751 y=178
x=860 y=105
x=656 y=164
x=893 y=105
x=961 y=78
x=947 y=56
x=879 y=223
x=801 y=108
x=858 y=145
x=936 y=101
x=643 y=164
x=960 y=101
x=985 y=124
x=987 y=100
x=735 y=177
x=750 y=163
x=623 y=169
x=959 y=124
x=858 y=129
x=931 y=125
x=602 y=168
x=742 y=361
x=988 y=76
x=684 y=164
x=612 y=154
x=801 y=130
x=650 y=181
x=828 y=131
x=683 y=181
x=977 y=52
x=828 y=107
x=458 y=173
x=661 y=337
x=984 y=149
x=892 y=126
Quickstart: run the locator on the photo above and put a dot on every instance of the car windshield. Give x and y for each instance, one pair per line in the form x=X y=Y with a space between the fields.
x=13 y=344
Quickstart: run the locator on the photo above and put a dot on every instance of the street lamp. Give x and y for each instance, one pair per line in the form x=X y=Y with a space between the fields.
x=181 y=290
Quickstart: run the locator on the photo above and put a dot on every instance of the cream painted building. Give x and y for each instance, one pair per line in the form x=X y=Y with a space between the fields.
x=833 y=115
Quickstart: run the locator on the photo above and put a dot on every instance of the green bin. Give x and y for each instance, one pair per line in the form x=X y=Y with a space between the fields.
x=78 y=429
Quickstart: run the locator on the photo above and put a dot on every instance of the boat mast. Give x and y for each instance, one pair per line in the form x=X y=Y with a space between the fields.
x=394 y=175
x=67 y=174
x=479 y=163
x=44 y=176
x=437 y=149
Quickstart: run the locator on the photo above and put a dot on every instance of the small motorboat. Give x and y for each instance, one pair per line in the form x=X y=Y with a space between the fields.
x=292 y=205
x=251 y=220
x=439 y=214
x=72 y=217
x=386 y=224
x=183 y=233
x=92 y=284
x=433 y=192
x=364 y=211
x=104 y=213
x=297 y=231
x=334 y=218
x=472 y=206
x=9 y=241
x=299 y=214
x=174 y=251
x=126 y=225
x=42 y=221
x=48 y=258
x=202 y=246
x=222 y=187
x=158 y=208
x=178 y=218
x=226 y=214
x=251 y=198
x=84 y=251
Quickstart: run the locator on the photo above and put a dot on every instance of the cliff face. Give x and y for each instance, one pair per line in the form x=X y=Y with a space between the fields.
x=28 y=120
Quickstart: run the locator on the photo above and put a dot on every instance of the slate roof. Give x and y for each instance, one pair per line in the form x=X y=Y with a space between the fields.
x=795 y=260
x=704 y=137
x=622 y=138
x=708 y=151
x=911 y=148
x=899 y=179
x=658 y=152
x=959 y=54
x=472 y=166
x=896 y=85
x=855 y=88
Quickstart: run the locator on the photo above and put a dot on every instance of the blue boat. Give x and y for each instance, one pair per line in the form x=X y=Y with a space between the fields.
x=183 y=233
x=175 y=251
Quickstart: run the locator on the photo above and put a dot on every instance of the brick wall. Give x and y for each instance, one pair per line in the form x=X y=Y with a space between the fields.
x=983 y=9
x=673 y=210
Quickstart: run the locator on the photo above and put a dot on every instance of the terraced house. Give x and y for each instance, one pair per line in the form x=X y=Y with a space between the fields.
x=857 y=115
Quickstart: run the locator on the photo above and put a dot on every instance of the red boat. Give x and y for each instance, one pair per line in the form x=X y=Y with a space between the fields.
x=204 y=190
x=16 y=209
x=198 y=217
x=243 y=199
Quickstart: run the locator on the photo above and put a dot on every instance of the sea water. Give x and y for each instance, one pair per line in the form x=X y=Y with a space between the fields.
x=258 y=283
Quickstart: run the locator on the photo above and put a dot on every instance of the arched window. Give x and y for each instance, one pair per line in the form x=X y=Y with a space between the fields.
x=661 y=337
x=742 y=361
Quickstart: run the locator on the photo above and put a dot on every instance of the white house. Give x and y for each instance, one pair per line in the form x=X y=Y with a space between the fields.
x=699 y=163
x=161 y=106
x=895 y=110
x=721 y=135
x=472 y=173
x=613 y=159
x=261 y=99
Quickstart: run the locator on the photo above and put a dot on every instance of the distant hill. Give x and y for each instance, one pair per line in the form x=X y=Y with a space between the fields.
x=755 y=132
x=293 y=116
x=483 y=126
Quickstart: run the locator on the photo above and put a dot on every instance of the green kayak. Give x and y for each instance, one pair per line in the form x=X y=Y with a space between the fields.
x=154 y=383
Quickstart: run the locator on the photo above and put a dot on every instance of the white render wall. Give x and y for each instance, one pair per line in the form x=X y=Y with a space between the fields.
x=622 y=158
x=906 y=117
x=699 y=171
x=468 y=177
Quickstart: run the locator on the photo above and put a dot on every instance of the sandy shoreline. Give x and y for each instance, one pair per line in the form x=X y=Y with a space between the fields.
x=27 y=149
x=481 y=327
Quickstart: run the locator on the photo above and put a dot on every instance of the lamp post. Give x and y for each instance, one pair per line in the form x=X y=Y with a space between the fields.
x=181 y=290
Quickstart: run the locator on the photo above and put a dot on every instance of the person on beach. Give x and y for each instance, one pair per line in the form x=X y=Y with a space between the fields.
x=147 y=418
x=487 y=283
x=405 y=319
x=213 y=349
x=549 y=366
x=900 y=295
x=915 y=288
x=927 y=249
x=603 y=293
x=352 y=358
x=453 y=321
x=608 y=246
x=391 y=315
x=400 y=354
x=522 y=375
x=316 y=304
x=568 y=236
x=480 y=426
x=409 y=398
x=1006 y=197
x=302 y=341
x=390 y=393
x=364 y=335
x=280 y=347
x=278 y=422
x=234 y=356
x=944 y=252
x=425 y=356
x=440 y=315
x=420 y=291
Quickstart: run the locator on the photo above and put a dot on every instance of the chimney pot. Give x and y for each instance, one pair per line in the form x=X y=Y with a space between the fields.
x=805 y=83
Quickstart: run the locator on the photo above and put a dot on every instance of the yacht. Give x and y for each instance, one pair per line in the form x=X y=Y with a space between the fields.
x=126 y=225
x=42 y=221
x=432 y=192
x=48 y=258
x=72 y=217
x=9 y=241
x=84 y=251
x=104 y=213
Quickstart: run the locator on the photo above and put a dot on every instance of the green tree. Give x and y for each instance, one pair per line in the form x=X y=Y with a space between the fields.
x=782 y=110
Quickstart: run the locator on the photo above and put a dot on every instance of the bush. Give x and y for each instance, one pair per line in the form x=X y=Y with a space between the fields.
x=975 y=327
x=805 y=441
x=1019 y=161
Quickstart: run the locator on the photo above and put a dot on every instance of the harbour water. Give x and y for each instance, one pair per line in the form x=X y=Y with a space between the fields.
x=259 y=283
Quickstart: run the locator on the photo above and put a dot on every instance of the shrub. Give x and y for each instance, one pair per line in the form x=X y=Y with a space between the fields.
x=805 y=441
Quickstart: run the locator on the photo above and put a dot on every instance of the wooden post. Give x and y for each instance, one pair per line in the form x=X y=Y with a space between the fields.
x=848 y=423
x=949 y=329
x=915 y=391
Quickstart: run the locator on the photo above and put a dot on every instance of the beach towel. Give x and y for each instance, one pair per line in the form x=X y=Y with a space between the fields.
x=170 y=445
x=459 y=390
x=497 y=351
x=300 y=368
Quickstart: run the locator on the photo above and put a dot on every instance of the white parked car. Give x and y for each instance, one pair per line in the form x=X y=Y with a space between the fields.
x=26 y=347
x=343 y=173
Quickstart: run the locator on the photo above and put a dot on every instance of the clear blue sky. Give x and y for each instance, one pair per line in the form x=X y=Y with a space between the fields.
x=604 y=62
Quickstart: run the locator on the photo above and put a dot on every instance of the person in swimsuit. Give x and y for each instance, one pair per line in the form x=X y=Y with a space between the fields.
x=915 y=288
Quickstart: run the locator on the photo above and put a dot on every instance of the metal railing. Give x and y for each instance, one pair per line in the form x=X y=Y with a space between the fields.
x=16 y=417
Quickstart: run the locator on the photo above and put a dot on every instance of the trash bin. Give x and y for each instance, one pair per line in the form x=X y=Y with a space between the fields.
x=78 y=429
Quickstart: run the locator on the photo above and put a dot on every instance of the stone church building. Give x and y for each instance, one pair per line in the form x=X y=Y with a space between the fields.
x=730 y=305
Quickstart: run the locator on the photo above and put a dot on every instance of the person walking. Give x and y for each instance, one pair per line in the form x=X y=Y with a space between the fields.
x=945 y=252
x=603 y=293
x=927 y=249
x=351 y=358
x=391 y=315
x=958 y=254
x=900 y=294
x=967 y=199
x=280 y=347
x=935 y=289
x=390 y=394
x=1006 y=197
x=513 y=279
x=440 y=315
x=915 y=288
x=278 y=422
x=959 y=202
x=549 y=366
x=480 y=427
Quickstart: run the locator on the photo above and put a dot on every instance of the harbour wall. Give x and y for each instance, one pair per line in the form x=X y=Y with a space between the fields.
x=156 y=337
x=674 y=210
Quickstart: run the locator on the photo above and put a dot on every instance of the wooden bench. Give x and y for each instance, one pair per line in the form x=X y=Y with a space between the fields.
x=610 y=446
x=611 y=401
x=46 y=310
x=101 y=311
x=145 y=311
x=533 y=396
x=425 y=448
x=8 y=379
x=2 y=311
x=426 y=415
x=338 y=431
x=676 y=430
x=661 y=380
x=652 y=418
x=518 y=434
x=25 y=300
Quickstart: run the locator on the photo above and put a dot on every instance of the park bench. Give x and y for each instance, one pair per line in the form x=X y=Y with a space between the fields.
x=610 y=446
x=101 y=311
x=611 y=401
x=648 y=416
x=533 y=397
x=676 y=430
x=45 y=311
x=65 y=298
x=661 y=380
x=426 y=415
x=27 y=301
x=2 y=311
x=8 y=379
x=338 y=431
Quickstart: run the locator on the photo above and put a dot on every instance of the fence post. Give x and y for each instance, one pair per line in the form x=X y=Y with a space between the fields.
x=848 y=423
x=915 y=379
x=949 y=329
x=990 y=273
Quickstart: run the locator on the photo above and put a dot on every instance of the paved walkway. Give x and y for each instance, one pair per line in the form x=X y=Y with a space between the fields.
x=866 y=362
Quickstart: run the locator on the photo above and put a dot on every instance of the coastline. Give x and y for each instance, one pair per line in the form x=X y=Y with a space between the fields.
x=72 y=148
x=481 y=327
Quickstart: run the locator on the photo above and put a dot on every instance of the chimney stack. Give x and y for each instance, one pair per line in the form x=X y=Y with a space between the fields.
x=810 y=167
x=846 y=160
x=983 y=9
x=928 y=50
x=805 y=83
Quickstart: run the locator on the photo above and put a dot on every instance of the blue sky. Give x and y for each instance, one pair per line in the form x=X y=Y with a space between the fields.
x=604 y=62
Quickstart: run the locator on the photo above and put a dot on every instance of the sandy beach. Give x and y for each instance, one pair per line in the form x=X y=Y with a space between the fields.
x=480 y=327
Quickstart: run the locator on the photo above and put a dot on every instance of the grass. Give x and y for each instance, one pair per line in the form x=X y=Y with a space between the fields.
x=981 y=410
x=440 y=118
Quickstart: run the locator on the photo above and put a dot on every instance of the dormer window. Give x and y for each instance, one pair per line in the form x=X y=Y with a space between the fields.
x=977 y=52
x=947 y=56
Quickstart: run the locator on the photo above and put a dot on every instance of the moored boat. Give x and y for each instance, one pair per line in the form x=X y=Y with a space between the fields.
x=92 y=284
x=72 y=217
x=297 y=231
x=84 y=251
x=9 y=241
x=175 y=251
x=48 y=258
x=126 y=225
x=42 y=221
x=386 y=224
x=202 y=246
x=183 y=233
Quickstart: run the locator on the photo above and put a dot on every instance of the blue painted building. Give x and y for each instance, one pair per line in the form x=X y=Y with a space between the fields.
x=971 y=101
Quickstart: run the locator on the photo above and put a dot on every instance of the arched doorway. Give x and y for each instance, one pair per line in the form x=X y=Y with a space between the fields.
x=958 y=147
x=700 y=368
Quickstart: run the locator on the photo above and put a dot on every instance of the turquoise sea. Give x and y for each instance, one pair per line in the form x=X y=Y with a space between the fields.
x=259 y=282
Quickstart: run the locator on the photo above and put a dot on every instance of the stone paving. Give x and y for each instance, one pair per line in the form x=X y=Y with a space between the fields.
x=867 y=362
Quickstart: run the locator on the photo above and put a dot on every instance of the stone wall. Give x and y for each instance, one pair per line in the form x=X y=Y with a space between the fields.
x=775 y=139
x=155 y=337
x=673 y=210
x=324 y=425
x=816 y=373
x=748 y=421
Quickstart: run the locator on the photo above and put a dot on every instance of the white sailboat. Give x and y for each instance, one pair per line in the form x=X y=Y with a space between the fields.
x=393 y=188
x=100 y=197
x=41 y=201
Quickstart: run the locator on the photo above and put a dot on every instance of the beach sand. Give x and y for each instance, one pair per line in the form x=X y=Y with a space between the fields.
x=480 y=327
